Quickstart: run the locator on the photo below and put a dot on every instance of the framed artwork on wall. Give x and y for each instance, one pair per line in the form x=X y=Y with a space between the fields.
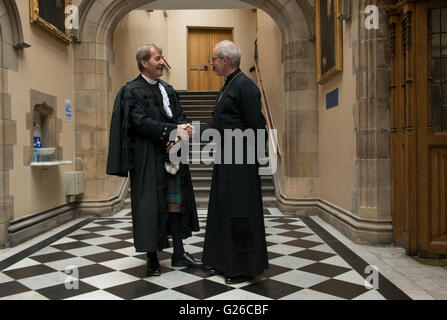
x=50 y=15
x=329 y=39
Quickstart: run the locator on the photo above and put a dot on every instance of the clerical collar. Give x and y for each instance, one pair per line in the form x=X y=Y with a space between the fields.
x=150 y=81
x=231 y=76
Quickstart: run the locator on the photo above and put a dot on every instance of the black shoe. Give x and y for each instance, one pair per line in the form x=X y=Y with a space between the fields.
x=186 y=260
x=236 y=280
x=214 y=271
x=153 y=268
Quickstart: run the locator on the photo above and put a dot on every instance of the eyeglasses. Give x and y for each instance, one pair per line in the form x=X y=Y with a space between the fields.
x=214 y=59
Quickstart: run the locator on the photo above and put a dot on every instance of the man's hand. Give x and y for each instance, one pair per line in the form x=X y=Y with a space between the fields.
x=171 y=145
x=191 y=130
x=185 y=131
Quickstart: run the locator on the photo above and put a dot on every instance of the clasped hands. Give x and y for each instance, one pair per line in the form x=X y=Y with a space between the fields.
x=184 y=132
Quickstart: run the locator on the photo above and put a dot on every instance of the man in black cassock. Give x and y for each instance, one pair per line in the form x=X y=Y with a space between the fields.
x=235 y=243
x=146 y=111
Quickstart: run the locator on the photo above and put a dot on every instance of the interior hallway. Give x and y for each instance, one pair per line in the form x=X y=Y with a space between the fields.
x=308 y=260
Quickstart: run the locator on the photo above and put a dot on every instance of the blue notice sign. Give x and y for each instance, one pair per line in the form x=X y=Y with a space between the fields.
x=68 y=114
x=332 y=99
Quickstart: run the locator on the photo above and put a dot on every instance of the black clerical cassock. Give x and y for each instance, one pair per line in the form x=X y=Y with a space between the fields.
x=235 y=241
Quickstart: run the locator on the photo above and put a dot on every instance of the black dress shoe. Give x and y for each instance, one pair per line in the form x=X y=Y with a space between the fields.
x=153 y=269
x=186 y=260
x=214 y=271
x=236 y=280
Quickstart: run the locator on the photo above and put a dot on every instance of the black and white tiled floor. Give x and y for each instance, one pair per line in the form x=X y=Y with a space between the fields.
x=306 y=262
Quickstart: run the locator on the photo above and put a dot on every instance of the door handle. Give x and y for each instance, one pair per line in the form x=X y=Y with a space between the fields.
x=206 y=68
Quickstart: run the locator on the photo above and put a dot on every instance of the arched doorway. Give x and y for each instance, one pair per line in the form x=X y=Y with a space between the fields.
x=94 y=99
x=367 y=218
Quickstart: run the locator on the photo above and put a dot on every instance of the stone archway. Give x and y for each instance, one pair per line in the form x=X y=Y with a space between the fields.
x=94 y=99
x=11 y=39
x=370 y=219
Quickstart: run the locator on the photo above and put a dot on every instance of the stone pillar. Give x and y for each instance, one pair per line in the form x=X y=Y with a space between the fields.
x=10 y=34
x=300 y=158
x=94 y=108
x=301 y=135
x=8 y=138
x=372 y=190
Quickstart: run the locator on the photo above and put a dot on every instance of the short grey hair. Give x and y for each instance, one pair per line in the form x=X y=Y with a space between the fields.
x=145 y=53
x=229 y=49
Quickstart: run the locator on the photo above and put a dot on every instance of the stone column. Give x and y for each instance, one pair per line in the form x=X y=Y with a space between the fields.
x=300 y=159
x=8 y=138
x=94 y=107
x=10 y=32
x=372 y=190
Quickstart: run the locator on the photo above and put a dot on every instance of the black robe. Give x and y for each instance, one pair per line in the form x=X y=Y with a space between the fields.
x=235 y=240
x=139 y=131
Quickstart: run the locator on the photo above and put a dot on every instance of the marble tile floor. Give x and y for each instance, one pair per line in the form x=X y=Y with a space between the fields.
x=309 y=260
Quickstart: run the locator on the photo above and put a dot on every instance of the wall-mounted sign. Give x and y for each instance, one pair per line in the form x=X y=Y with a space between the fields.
x=332 y=99
x=68 y=107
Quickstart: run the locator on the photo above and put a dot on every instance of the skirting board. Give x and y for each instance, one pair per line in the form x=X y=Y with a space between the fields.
x=357 y=229
x=24 y=229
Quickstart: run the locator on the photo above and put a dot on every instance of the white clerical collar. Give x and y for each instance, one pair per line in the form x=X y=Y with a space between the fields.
x=150 y=81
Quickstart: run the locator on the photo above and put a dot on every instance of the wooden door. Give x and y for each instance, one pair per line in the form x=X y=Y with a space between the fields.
x=201 y=42
x=419 y=130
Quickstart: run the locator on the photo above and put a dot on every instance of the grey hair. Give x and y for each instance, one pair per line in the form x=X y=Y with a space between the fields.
x=145 y=53
x=230 y=50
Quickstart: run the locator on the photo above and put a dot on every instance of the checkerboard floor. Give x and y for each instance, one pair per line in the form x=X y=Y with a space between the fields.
x=305 y=263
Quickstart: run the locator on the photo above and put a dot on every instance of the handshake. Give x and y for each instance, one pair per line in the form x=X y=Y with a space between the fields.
x=184 y=132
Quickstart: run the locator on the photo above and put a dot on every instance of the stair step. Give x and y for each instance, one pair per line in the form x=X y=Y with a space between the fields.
x=206 y=113
x=188 y=107
x=198 y=102
x=201 y=119
x=192 y=93
x=199 y=113
x=199 y=97
x=263 y=179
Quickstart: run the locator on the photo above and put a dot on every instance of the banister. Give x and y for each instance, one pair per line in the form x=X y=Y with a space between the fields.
x=268 y=115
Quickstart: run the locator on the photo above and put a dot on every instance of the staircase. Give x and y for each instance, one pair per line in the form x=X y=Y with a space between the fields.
x=199 y=106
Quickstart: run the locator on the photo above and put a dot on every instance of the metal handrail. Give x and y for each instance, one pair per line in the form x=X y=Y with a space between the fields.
x=268 y=115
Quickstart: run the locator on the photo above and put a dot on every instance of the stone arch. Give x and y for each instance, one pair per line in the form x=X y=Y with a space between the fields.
x=12 y=33
x=93 y=53
x=11 y=39
x=97 y=21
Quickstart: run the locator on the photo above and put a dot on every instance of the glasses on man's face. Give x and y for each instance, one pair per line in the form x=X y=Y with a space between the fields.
x=159 y=58
x=214 y=59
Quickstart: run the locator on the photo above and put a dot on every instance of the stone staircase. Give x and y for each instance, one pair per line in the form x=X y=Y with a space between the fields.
x=199 y=106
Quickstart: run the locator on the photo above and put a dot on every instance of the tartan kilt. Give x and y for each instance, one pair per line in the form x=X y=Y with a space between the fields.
x=174 y=189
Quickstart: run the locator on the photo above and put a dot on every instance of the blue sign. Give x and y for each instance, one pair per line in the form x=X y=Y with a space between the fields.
x=68 y=110
x=332 y=99
x=37 y=143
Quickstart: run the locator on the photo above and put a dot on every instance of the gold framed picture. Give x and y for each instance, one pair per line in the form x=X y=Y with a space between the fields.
x=329 y=39
x=50 y=15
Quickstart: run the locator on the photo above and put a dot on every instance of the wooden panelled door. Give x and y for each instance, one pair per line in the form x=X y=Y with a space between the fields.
x=418 y=37
x=201 y=42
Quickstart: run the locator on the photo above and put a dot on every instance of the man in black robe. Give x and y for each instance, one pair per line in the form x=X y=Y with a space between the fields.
x=146 y=111
x=235 y=243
